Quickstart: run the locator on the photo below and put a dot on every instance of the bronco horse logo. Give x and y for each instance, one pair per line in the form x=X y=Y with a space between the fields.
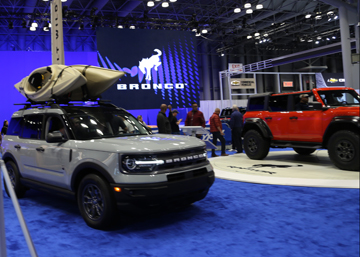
x=146 y=64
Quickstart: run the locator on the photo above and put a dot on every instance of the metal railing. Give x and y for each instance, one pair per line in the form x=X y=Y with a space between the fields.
x=18 y=213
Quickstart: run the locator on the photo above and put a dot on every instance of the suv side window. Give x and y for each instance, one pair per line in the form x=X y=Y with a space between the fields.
x=278 y=103
x=32 y=127
x=256 y=104
x=14 y=127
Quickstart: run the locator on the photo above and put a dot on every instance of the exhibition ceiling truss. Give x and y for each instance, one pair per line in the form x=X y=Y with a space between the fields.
x=223 y=24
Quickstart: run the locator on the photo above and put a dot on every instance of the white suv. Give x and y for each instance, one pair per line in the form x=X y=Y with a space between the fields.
x=104 y=157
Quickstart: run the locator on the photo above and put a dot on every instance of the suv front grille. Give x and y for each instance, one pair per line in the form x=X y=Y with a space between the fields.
x=186 y=175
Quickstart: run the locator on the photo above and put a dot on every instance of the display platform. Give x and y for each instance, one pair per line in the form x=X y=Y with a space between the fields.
x=285 y=168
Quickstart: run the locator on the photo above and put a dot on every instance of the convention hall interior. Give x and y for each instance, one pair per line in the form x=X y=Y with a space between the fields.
x=286 y=204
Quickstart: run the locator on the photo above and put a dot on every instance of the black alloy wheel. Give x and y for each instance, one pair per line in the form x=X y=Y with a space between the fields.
x=96 y=202
x=14 y=175
x=255 y=145
x=343 y=149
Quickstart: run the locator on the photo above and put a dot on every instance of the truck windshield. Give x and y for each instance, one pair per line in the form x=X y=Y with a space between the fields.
x=340 y=97
x=95 y=122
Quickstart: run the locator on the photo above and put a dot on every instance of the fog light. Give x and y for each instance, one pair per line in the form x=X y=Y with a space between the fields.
x=117 y=189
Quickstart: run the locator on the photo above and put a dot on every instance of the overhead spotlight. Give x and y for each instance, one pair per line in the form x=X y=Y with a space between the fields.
x=173 y=1
x=257 y=34
x=330 y=13
x=132 y=27
x=249 y=11
x=307 y=16
x=63 y=1
x=10 y=25
x=32 y=28
x=329 y=19
x=266 y=34
x=318 y=38
x=318 y=17
x=247 y=5
x=197 y=34
x=49 y=24
x=222 y=54
x=302 y=39
x=249 y=37
x=309 y=40
x=258 y=37
x=204 y=31
x=194 y=30
x=150 y=3
x=120 y=26
x=333 y=37
x=260 y=41
x=336 y=17
x=259 y=6
x=317 y=42
x=34 y=24
x=328 y=39
x=237 y=10
x=45 y=0
x=165 y=4
x=46 y=28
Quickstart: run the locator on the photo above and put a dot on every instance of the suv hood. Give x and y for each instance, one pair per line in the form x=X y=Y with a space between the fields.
x=143 y=144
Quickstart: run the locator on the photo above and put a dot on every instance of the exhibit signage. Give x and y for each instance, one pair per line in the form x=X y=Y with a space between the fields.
x=288 y=84
x=242 y=83
x=161 y=67
x=235 y=67
x=334 y=79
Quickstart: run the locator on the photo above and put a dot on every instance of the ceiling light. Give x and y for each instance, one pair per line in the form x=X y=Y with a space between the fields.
x=173 y=1
x=310 y=40
x=63 y=0
x=318 y=17
x=257 y=37
x=247 y=5
x=257 y=34
x=165 y=4
x=34 y=24
x=32 y=28
x=237 y=10
x=249 y=37
x=49 y=25
x=222 y=54
x=204 y=31
x=307 y=16
x=333 y=37
x=336 y=17
x=197 y=34
x=260 y=41
x=327 y=39
x=318 y=38
x=266 y=34
x=259 y=6
x=329 y=19
x=120 y=26
x=194 y=30
x=150 y=3
x=317 y=42
x=45 y=0
x=132 y=27
x=330 y=13
x=249 y=11
x=46 y=28
x=302 y=40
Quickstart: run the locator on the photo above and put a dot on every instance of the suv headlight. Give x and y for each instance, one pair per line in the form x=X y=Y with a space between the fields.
x=140 y=163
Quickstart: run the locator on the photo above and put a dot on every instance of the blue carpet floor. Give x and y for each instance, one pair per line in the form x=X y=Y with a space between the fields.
x=235 y=219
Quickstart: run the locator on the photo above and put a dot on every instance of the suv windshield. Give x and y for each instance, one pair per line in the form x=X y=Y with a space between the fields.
x=96 y=122
x=340 y=97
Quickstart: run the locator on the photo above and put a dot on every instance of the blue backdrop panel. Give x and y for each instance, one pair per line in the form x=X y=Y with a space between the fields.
x=161 y=67
x=15 y=65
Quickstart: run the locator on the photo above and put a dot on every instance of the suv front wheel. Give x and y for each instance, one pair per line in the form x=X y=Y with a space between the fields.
x=343 y=149
x=255 y=145
x=95 y=201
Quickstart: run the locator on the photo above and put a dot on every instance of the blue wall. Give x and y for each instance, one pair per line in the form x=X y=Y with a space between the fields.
x=16 y=65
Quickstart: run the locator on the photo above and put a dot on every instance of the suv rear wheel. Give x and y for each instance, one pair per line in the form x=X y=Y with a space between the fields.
x=14 y=175
x=304 y=151
x=95 y=201
x=343 y=149
x=255 y=145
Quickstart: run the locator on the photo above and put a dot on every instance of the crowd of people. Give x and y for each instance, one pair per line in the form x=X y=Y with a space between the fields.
x=169 y=124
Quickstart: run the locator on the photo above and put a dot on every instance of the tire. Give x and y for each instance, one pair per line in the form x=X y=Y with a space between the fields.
x=96 y=202
x=343 y=149
x=255 y=145
x=14 y=175
x=304 y=151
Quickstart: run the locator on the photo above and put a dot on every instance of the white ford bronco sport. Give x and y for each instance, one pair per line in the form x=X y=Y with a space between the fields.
x=101 y=155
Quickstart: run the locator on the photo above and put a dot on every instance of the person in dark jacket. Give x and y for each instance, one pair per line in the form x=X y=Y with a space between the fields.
x=236 y=125
x=162 y=121
x=195 y=118
x=5 y=127
x=174 y=122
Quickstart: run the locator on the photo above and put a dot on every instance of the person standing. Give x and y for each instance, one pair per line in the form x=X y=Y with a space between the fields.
x=195 y=118
x=5 y=127
x=162 y=121
x=216 y=130
x=236 y=125
x=174 y=122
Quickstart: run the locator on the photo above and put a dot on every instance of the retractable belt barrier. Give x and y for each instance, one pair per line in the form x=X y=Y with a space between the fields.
x=18 y=213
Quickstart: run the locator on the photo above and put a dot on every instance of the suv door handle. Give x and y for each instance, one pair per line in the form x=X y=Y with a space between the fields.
x=293 y=117
x=40 y=149
x=17 y=146
x=268 y=118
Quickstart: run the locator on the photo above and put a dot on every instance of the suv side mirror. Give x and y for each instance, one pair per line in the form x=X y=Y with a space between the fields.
x=55 y=137
x=317 y=106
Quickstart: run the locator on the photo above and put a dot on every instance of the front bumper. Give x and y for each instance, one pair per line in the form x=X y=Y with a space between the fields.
x=186 y=187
